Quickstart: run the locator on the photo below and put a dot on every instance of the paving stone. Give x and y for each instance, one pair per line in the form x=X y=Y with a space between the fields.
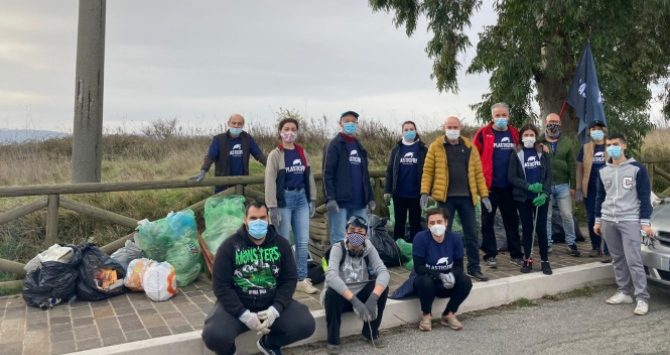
x=88 y=344
x=86 y=333
x=181 y=329
x=106 y=323
x=136 y=335
x=81 y=322
x=119 y=311
x=59 y=328
x=153 y=321
x=158 y=331
x=63 y=347
x=113 y=341
x=62 y=336
x=81 y=312
x=59 y=320
x=101 y=312
x=130 y=323
x=37 y=326
x=15 y=348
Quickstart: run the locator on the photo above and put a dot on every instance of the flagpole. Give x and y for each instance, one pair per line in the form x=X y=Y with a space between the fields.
x=560 y=115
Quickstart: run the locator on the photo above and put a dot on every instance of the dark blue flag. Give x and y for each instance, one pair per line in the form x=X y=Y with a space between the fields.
x=584 y=95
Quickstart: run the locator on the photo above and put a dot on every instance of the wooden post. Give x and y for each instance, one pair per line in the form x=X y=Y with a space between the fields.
x=651 y=174
x=89 y=84
x=52 y=220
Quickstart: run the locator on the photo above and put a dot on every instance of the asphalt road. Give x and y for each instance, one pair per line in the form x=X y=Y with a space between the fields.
x=582 y=324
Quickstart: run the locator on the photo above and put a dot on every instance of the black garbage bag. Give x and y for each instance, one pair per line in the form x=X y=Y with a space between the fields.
x=100 y=276
x=384 y=242
x=53 y=282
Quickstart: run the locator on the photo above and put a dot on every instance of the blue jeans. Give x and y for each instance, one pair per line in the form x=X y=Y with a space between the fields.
x=337 y=222
x=296 y=216
x=561 y=194
x=466 y=213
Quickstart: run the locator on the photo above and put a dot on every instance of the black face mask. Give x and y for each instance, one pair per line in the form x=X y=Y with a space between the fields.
x=553 y=130
x=355 y=254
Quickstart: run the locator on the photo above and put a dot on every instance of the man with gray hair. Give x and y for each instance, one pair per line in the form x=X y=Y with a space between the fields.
x=495 y=143
x=230 y=152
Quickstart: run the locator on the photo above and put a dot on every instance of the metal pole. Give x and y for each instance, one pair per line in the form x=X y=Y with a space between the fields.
x=89 y=84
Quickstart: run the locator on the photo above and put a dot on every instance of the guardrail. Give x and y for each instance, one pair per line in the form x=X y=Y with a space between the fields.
x=243 y=185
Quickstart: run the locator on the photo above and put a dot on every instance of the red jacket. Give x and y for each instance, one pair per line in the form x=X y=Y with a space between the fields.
x=483 y=140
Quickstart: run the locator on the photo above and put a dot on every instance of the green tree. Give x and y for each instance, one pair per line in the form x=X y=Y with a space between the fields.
x=533 y=49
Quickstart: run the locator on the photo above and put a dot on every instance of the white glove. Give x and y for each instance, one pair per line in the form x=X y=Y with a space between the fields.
x=387 y=198
x=424 y=201
x=487 y=204
x=250 y=319
x=199 y=177
x=447 y=280
x=275 y=216
x=268 y=317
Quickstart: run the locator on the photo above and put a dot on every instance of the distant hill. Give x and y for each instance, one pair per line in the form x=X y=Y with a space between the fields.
x=10 y=136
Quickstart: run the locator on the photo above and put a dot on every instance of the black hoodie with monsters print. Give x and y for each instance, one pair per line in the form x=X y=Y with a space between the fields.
x=254 y=277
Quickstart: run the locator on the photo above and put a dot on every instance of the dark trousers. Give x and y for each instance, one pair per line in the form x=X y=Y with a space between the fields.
x=335 y=305
x=221 y=328
x=466 y=213
x=527 y=214
x=401 y=206
x=428 y=289
x=590 y=205
x=501 y=198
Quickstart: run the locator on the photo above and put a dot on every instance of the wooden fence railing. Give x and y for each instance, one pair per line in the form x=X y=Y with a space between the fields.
x=54 y=201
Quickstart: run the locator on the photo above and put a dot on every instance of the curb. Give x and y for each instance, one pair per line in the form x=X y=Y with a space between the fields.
x=484 y=295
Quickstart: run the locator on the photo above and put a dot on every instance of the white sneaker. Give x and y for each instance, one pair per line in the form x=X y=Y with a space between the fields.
x=642 y=308
x=306 y=286
x=619 y=298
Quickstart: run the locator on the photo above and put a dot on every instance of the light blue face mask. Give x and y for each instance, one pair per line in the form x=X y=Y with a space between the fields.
x=501 y=122
x=350 y=128
x=614 y=151
x=409 y=135
x=258 y=228
x=234 y=131
x=597 y=135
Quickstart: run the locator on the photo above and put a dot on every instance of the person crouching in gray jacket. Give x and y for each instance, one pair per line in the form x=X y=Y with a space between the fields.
x=623 y=209
x=356 y=280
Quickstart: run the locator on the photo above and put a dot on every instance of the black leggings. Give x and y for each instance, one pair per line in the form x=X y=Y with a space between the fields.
x=221 y=328
x=527 y=214
x=401 y=206
x=428 y=289
x=335 y=305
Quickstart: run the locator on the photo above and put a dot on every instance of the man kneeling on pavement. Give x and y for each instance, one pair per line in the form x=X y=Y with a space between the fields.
x=356 y=280
x=254 y=278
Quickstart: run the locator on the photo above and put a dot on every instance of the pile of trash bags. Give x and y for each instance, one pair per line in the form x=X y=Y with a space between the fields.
x=65 y=272
x=173 y=239
x=224 y=215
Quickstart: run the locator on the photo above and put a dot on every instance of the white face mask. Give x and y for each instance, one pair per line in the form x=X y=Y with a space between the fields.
x=452 y=134
x=528 y=142
x=438 y=229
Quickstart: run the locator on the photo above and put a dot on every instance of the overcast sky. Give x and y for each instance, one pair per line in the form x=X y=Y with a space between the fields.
x=200 y=61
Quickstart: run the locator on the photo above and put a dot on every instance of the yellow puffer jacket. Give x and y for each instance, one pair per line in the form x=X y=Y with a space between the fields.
x=435 y=178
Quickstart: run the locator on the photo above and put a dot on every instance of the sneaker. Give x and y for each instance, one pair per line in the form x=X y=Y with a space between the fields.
x=574 y=251
x=595 y=253
x=642 y=308
x=517 y=261
x=426 y=323
x=491 y=262
x=606 y=259
x=527 y=266
x=377 y=343
x=478 y=275
x=546 y=268
x=451 y=322
x=550 y=249
x=333 y=349
x=265 y=348
x=620 y=298
x=306 y=286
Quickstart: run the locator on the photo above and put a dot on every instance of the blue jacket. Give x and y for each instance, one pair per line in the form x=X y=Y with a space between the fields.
x=336 y=173
x=624 y=193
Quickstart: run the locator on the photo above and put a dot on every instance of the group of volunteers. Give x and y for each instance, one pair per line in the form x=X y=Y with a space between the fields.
x=521 y=172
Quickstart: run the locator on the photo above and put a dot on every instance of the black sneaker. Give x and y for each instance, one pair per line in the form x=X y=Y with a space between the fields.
x=265 y=348
x=574 y=251
x=527 y=266
x=478 y=275
x=517 y=261
x=606 y=259
x=546 y=268
x=491 y=262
